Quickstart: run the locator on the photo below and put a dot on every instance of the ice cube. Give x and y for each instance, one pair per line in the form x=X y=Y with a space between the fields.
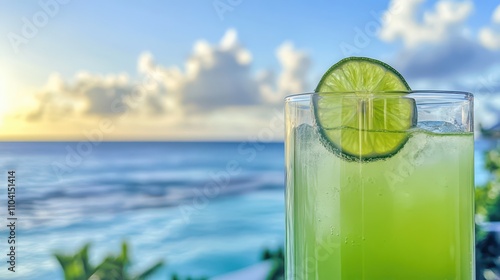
x=440 y=127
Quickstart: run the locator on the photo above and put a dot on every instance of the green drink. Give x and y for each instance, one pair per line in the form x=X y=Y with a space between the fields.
x=388 y=219
x=401 y=210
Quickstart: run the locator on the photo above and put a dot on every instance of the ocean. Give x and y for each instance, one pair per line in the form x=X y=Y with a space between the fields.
x=205 y=208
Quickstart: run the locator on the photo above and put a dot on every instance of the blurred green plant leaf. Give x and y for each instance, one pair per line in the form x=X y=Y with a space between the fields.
x=78 y=267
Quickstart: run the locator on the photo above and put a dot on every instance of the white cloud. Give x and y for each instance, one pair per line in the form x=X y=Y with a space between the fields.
x=216 y=90
x=455 y=57
x=439 y=52
x=295 y=66
x=160 y=85
x=50 y=101
x=218 y=76
x=401 y=21
x=496 y=15
x=87 y=94
x=437 y=43
x=488 y=36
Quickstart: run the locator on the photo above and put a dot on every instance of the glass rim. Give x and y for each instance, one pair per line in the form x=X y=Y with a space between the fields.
x=437 y=95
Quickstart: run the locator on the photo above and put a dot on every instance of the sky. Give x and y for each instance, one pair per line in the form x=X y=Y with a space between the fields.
x=219 y=69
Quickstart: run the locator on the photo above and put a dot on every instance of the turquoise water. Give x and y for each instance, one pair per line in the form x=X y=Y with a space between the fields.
x=162 y=197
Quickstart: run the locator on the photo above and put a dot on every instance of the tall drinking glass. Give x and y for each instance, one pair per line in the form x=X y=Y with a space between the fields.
x=405 y=215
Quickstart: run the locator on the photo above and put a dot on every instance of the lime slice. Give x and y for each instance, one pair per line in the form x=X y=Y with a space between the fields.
x=361 y=109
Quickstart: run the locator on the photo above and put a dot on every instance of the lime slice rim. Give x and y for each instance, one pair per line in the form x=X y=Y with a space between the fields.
x=343 y=61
